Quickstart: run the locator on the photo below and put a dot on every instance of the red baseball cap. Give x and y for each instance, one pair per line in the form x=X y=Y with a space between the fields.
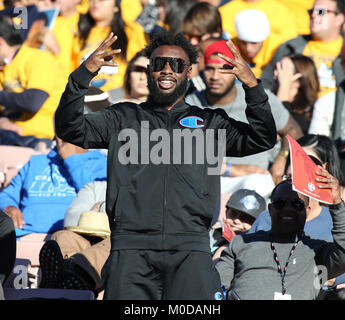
x=218 y=47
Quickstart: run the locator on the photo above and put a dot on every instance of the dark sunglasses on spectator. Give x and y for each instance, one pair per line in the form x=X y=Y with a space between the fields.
x=321 y=11
x=297 y=204
x=191 y=37
x=139 y=69
x=177 y=65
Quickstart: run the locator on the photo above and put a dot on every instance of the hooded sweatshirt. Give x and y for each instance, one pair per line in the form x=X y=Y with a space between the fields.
x=46 y=185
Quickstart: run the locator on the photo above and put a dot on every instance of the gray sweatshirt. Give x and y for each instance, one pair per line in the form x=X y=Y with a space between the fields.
x=86 y=198
x=247 y=265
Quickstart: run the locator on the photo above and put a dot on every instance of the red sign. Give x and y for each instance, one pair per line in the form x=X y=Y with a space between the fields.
x=304 y=175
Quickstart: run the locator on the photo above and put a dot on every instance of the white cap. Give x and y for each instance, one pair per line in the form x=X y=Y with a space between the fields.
x=252 y=25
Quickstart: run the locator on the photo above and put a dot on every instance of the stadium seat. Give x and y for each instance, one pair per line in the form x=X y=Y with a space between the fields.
x=12 y=159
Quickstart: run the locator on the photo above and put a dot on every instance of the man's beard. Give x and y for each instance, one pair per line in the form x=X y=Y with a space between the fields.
x=221 y=94
x=161 y=99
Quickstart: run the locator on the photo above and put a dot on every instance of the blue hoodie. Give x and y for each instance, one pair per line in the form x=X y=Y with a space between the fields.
x=46 y=185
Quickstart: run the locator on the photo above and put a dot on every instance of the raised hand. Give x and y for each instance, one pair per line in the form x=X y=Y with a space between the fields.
x=329 y=182
x=102 y=56
x=240 y=67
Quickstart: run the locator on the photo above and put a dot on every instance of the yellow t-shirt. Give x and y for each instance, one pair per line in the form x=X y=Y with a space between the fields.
x=282 y=22
x=65 y=30
x=83 y=6
x=299 y=9
x=35 y=69
x=130 y=10
x=107 y=78
x=324 y=54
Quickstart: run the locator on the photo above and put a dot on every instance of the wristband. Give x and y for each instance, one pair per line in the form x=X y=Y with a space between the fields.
x=228 y=167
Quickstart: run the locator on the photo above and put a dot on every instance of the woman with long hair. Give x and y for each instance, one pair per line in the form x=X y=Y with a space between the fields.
x=135 y=80
x=103 y=17
x=297 y=86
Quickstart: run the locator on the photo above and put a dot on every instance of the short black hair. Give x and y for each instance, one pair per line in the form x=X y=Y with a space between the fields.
x=8 y=32
x=166 y=38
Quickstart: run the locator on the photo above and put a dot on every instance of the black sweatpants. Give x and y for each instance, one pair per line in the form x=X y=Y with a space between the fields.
x=160 y=275
x=8 y=246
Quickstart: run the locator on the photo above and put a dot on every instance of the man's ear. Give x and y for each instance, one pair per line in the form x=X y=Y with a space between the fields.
x=340 y=19
x=189 y=71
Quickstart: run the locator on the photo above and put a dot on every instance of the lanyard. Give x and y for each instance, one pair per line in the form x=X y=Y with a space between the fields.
x=276 y=259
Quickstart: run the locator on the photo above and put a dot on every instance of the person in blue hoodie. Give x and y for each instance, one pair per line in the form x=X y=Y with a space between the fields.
x=39 y=195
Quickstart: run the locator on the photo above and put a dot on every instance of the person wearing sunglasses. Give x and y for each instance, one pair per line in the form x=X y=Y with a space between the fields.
x=283 y=263
x=201 y=22
x=160 y=212
x=323 y=45
x=134 y=87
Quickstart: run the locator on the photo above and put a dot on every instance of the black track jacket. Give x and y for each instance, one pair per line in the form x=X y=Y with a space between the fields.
x=160 y=206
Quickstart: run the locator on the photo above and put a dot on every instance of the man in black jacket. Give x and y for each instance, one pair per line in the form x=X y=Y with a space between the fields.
x=160 y=208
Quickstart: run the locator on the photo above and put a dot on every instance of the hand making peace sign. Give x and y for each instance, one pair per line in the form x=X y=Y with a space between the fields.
x=102 y=56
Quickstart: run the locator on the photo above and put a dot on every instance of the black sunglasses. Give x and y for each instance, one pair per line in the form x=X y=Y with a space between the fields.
x=139 y=69
x=297 y=204
x=177 y=65
x=321 y=11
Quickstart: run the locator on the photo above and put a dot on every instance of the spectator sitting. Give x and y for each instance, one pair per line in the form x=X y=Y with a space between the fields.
x=102 y=18
x=31 y=85
x=318 y=223
x=135 y=81
x=262 y=273
x=254 y=39
x=222 y=92
x=38 y=196
x=242 y=209
x=323 y=45
x=329 y=113
x=203 y=21
x=297 y=87
x=74 y=257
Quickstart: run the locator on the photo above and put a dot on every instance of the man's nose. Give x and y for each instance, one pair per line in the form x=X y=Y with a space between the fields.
x=167 y=68
x=215 y=75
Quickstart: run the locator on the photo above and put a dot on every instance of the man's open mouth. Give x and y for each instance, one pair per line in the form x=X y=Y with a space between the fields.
x=166 y=83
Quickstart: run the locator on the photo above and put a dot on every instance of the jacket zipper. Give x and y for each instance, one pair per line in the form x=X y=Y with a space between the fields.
x=166 y=178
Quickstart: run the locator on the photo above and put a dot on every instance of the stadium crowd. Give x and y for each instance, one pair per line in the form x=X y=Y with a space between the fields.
x=295 y=51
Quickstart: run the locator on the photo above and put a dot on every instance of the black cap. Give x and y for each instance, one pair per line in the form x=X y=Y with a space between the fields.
x=247 y=201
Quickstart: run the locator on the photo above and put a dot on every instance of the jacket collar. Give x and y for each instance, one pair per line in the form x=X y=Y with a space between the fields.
x=178 y=107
